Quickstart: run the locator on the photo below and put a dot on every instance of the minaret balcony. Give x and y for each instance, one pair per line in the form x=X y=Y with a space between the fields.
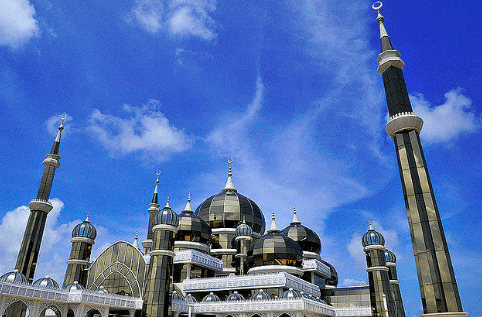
x=389 y=58
x=52 y=160
x=40 y=205
x=403 y=121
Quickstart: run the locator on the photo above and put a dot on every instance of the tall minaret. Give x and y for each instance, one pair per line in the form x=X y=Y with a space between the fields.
x=381 y=297
x=39 y=208
x=434 y=267
x=153 y=209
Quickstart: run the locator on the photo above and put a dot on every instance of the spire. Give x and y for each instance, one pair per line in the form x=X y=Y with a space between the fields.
x=56 y=147
x=87 y=218
x=167 y=203
x=371 y=228
x=136 y=240
x=384 y=39
x=273 y=227
x=295 y=218
x=155 y=198
x=229 y=183
x=188 y=208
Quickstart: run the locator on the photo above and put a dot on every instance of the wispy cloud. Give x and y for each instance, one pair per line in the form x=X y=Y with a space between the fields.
x=181 y=18
x=446 y=122
x=53 y=125
x=144 y=130
x=17 y=23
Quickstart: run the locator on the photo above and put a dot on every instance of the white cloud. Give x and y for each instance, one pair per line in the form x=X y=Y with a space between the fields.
x=446 y=122
x=145 y=130
x=353 y=282
x=17 y=23
x=149 y=13
x=183 y=18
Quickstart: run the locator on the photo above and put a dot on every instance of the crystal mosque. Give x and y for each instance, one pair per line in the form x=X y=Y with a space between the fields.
x=221 y=260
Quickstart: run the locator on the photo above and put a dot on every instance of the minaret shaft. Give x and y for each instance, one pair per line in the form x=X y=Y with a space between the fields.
x=436 y=276
x=29 y=249
x=381 y=296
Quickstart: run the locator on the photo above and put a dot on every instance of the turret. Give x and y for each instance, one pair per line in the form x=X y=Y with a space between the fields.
x=83 y=237
x=157 y=299
x=391 y=262
x=380 y=292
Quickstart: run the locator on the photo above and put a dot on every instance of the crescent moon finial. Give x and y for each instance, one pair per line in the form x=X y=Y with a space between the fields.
x=63 y=117
x=377 y=5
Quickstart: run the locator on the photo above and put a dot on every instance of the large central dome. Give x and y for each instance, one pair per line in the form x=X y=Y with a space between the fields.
x=228 y=208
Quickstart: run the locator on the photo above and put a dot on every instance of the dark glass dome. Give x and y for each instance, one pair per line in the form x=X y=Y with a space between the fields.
x=101 y=290
x=333 y=280
x=228 y=208
x=193 y=228
x=390 y=256
x=190 y=299
x=372 y=237
x=305 y=237
x=85 y=230
x=177 y=296
x=274 y=248
x=47 y=282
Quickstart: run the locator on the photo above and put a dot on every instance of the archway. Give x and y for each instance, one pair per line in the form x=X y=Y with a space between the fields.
x=17 y=309
x=50 y=311
x=70 y=313
x=93 y=313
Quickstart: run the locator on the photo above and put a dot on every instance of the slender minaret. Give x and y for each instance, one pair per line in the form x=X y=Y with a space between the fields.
x=83 y=237
x=436 y=276
x=243 y=240
x=153 y=209
x=157 y=300
x=391 y=262
x=39 y=209
x=380 y=292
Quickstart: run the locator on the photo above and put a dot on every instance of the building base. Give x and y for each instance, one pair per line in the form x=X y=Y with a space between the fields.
x=449 y=314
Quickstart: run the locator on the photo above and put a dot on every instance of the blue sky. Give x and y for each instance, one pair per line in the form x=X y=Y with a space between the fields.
x=288 y=89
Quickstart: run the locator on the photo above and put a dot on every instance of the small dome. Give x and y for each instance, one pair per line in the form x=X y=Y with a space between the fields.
x=260 y=295
x=73 y=286
x=235 y=297
x=244 y=230
x=177 y=296
x=101 y=290
x=306 y=295
x=290 y=294
x=305 y=237
x=191 y=227
x=274 y=248
x=372 y=238
x=211 y=297
x=390 y=256
x=190 y=299
x=85 y=230
x=14 y=277
x=333 y=280
x=47 y=282
x=166 y=216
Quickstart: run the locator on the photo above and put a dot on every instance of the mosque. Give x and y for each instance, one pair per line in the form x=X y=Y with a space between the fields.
x=219 y=259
